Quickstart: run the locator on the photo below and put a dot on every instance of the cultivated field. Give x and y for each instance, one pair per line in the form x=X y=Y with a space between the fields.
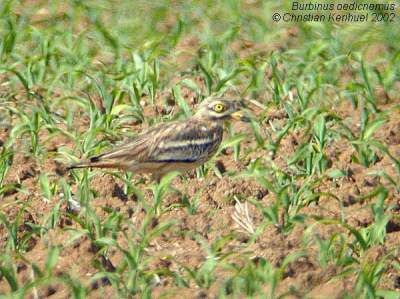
x=303 y=202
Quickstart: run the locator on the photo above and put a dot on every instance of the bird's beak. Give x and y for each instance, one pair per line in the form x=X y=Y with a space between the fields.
x=239 y=115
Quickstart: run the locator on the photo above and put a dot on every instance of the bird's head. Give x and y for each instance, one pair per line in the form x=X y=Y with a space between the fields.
x=220 y=109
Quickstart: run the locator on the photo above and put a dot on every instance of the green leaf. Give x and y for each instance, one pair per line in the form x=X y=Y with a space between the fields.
x=102 y=242
x=189 y=83
x=236 y=139
x=10 y=275
x=357 y=235
x=45 y=186
x=387 y=294
x=118 y=108
x=370 y=94
x=336 y=173
x=176 y=92
x=208 y=78
x=52 y=259
x=372 y=126
x=257 y=132
x=221 y=83
x=320 y=130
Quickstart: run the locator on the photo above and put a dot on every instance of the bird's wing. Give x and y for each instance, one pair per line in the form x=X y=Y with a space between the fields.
x=138 y=148
x=187 y=142
x=175 y=142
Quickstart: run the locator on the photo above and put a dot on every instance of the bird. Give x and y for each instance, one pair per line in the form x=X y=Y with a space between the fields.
x=173 y=146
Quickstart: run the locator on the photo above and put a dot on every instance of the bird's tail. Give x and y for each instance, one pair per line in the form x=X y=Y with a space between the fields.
x=95 y=162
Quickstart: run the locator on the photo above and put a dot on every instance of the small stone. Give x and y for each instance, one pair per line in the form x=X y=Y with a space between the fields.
x=73 y=206
x=201 y=295
x=351 y=200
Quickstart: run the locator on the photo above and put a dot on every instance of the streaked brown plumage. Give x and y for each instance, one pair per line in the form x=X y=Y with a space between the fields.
x=179 y=146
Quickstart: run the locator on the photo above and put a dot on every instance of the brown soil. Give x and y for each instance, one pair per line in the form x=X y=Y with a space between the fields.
x=213 y=220
x=183 y=244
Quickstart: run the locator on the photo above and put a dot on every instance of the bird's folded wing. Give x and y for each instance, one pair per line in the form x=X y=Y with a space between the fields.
x=137 y=149
x=186 y=142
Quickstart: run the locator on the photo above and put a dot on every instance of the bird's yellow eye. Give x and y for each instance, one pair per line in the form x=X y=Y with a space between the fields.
x=219 y=107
